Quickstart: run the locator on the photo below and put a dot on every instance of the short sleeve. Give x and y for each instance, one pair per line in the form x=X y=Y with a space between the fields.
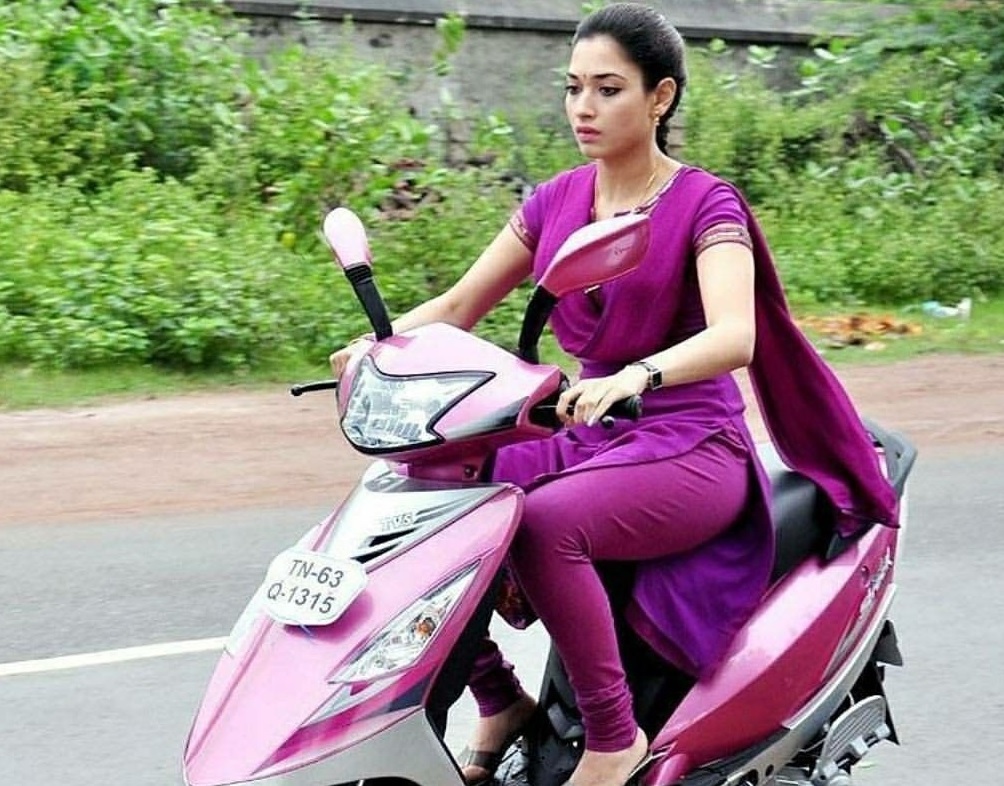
x=528 y=220
x=720 y=219
x=518 y=224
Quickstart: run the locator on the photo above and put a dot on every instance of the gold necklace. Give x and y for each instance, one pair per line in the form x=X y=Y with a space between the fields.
x=648 y=185
x=641 y=201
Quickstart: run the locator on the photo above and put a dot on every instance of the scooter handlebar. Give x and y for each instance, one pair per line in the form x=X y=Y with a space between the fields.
x=626 y=409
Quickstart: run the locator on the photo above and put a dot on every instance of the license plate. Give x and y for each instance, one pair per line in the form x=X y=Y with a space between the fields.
x=306 y=588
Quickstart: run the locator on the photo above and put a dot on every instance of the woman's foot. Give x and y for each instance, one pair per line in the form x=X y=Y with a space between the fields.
x=492 y=737
x=610 y=769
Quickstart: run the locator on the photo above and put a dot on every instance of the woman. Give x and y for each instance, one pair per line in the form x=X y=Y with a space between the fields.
x=679 y=492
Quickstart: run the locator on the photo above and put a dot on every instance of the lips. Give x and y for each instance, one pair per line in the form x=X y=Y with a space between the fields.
x=586 y=134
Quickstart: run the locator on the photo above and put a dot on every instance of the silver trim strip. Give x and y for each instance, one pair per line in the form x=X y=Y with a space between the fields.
x=409 y=749
x=387 y=514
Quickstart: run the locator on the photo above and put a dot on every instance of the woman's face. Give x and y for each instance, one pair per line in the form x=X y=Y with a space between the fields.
x=610 y=112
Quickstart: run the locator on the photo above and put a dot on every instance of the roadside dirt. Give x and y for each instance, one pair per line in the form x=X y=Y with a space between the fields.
x=228 y=451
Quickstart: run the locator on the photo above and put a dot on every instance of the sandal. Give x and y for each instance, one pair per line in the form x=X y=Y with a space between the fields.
x=489 y=761
x=636 y=771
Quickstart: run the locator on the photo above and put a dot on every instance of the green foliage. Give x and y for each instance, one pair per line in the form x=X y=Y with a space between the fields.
x=161 y=192
x=874 y=239
x=312 y=132
x=734 y=125
x=452 y=29
x=144 y=272
x=37 y=136
x=424 y=255
x=875 y=183
x=135 y=82
x=147 y=272
x=959 y=43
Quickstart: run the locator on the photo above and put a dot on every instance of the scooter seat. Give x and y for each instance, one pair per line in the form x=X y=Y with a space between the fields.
x=800 y=512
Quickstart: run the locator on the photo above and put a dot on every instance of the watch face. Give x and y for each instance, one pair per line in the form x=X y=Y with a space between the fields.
x=654 y=375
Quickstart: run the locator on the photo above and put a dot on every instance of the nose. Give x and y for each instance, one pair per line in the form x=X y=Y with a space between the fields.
x=581 y=106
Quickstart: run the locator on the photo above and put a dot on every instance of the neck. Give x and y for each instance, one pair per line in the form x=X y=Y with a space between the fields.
x=630 y=180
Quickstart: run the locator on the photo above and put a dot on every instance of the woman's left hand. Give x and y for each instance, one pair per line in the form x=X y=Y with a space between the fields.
x=588 y=399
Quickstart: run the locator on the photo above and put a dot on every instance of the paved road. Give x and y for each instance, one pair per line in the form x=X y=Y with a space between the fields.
x=81 y=588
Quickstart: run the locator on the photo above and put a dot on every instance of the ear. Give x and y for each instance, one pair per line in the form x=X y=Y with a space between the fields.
x=664 y=94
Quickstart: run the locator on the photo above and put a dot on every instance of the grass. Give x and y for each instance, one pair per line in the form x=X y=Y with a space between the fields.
x=27 y=387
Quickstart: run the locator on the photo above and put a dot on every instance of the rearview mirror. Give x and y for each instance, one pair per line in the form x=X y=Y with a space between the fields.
x=346 y=237
x=597 y=253
x=592 y=255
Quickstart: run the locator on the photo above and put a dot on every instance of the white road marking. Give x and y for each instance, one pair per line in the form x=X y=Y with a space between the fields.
x=110 y=656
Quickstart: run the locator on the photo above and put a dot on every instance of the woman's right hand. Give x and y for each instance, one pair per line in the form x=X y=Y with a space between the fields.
x=339 y=359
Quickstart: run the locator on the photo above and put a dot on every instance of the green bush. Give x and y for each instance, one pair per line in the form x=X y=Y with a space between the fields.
x=872 y=185
x=845 y=239
x=161 y=192
x=420 y=257
x=314 y=131
x=147 y=272
x=141 y=82
x=37 y=136
x=142 y=273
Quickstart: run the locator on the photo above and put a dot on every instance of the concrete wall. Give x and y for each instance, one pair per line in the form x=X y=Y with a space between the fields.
x=514 y=52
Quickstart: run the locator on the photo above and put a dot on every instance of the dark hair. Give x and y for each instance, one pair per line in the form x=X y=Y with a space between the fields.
x=650 y=41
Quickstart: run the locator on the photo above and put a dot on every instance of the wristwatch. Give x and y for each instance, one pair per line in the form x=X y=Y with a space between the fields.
x=654 y=373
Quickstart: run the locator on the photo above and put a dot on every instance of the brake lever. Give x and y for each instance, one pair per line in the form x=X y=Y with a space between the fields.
x=311 y=387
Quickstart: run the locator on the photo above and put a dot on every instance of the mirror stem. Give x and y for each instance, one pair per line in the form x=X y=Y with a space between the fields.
x=538 y=310
x=361 y=278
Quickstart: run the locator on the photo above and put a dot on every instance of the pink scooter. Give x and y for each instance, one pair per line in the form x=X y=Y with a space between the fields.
x=346 y=661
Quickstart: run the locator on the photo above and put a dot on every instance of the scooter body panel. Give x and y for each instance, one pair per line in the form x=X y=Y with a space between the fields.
x=802 y=633
x=275 y=702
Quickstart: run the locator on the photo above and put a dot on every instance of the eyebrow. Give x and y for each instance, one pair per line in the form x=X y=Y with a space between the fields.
x=570 y=75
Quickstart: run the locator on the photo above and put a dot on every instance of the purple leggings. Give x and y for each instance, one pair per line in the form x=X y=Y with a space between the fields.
x=628 y=513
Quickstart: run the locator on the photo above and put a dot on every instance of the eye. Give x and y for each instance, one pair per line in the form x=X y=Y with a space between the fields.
x=572 y=90
x=608 y=91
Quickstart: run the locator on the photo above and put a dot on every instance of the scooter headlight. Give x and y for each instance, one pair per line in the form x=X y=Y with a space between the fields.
x=387 y=413
x=403 y=641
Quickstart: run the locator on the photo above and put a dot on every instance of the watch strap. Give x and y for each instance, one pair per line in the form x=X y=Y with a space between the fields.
x=654 y=373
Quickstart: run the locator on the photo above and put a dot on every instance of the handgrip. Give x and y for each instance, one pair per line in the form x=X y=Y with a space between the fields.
x=626 y=409
x=629 y=408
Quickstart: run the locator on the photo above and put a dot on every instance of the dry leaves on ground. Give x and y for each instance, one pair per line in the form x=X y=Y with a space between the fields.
x=863 y=330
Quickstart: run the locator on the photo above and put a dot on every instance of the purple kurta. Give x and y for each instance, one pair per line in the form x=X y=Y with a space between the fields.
x=689 y=606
